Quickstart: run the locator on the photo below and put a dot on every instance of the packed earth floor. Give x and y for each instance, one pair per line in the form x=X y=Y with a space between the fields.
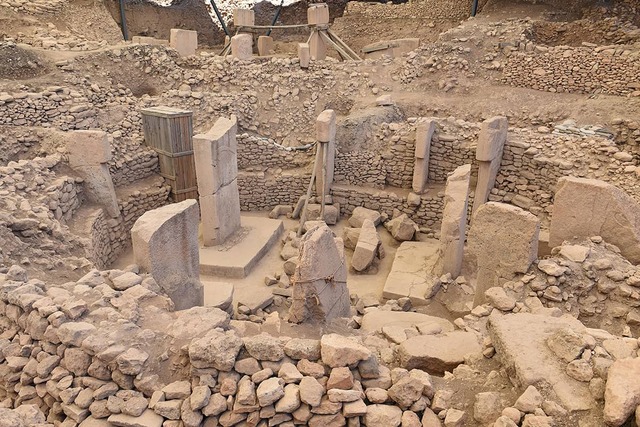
x=257 y=232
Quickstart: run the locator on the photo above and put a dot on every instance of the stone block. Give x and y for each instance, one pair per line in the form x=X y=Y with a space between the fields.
x=185 y=42
x=320 y=280
x=318 y=14
x=326 y=135
x=491 y=139
x=242 y=46
x=165 y=244
x=437 y=354
x=220 y=214
x=265 y=45
x=304 y=55
x=243 y=17
x=216 y=156
x=88 y=148
x=367 y=247
x=503 y=241
x=317 y=47
x=424 y=133
x=587 y=207
x=454 y=220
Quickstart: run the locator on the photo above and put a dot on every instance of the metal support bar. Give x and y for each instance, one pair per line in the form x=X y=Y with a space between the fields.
x=123 y=21
x=474 y=8
x=275 y=18
x=217 y=12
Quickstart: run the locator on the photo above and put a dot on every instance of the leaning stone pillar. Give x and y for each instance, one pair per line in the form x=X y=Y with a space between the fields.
x=320 y=279
x=424 y=133
x=165 y=245
x=88 y=153
x=326 y=136
x=491 y=139
x=216 y=160
x=454 y=220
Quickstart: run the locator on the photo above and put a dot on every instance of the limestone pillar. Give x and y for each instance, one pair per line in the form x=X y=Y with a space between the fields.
x=503 y=241
x=265 y=45
x=165 y=245
x=491 y=139
x=88 y=153
x=320 y=279
x=318 y=15
x=304 y=55
x=243 y=17
x=454 y=220
x=326 y=136
x=185 y=42
x=424 y=133
x=242 y=46
x=216 y=160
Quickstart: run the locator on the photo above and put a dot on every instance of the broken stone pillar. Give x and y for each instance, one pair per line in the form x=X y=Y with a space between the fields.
x=304 y=54
x=216 y=160
x=185 y=42
x=454 y=220
x=165 y=245
x=584 y=208
x=503 y=241
x=367 y=247
x=265 y=45
x=243 y=17
x=320 y=279
x=242 y=46
x=424 y=132
x=88 y=152
x=326 y=136
x=491 y=139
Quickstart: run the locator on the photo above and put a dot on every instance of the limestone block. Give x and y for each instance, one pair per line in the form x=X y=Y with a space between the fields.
x=587 y=207
x=367 y=247
x=243 y=17
x=165 y=244
x=185 y=42
x=491 y=139
x=503 y=241
x=326 y=135
x=318 y=14
x=220 y=214
x=424 y=133
x=216 y=156
x=437 y=354
x=304 y=54
x=326 y=126
x=622 y=393
x=242 y=46
x=265 y=45
x=454 y=220
x=320 y=280
x=88 y=148
x=317 y=47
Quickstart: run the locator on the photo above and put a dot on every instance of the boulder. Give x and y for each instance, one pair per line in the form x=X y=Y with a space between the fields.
x=367 y=247
x=437 y=354
x=359 y=214
x=402 y=228
x=338 y=351
x=622 y=392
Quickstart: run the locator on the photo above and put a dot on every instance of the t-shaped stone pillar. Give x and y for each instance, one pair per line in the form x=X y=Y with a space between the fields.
x=88 y=152
x=424 y=133
x=318 y=14
x=326 y=136
x=454 y=220
x=491 y=139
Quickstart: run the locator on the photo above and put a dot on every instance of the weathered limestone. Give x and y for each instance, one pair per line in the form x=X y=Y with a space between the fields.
x=413 y=272
x=326 y=136
x=491 y=140
x=503 y=241
x=622 y=393
x=437 y=354
x=165 y=244
x=320 y=280
x=88 y=152
x=454 y=220
x=149 y=40
x=587 y=207
x=367 y=247
x=216 y=161
x=522 y=341
x=304 y=54
x=265 y=45
x=318 y=14
x=185 y=42
x=424 y=133
x=243 y=17
x=242 y=46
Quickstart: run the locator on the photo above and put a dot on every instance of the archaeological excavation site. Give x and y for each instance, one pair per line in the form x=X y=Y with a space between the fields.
x=344 y=213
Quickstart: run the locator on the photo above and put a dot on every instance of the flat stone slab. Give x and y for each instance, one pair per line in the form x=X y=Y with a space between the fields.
x=438 y=354
x=520 y=341
x=412 y=273
x=218 y=295
x=243 y=250
x=375 y=320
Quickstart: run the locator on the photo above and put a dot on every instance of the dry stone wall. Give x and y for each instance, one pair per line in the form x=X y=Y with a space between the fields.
x=64 y=197
x=263 y=191
x=611 y=70
x=264 y=152
x=359 y=168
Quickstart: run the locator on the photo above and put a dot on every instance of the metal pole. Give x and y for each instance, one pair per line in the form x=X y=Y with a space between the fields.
x=474 y=9
x=215 y=9
x=277 y=15
x=123 y=21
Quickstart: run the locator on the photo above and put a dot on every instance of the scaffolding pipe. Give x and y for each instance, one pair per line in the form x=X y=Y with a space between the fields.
x=275 y=18
x=217 y=12
x=474 y=9
x=123 y=21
